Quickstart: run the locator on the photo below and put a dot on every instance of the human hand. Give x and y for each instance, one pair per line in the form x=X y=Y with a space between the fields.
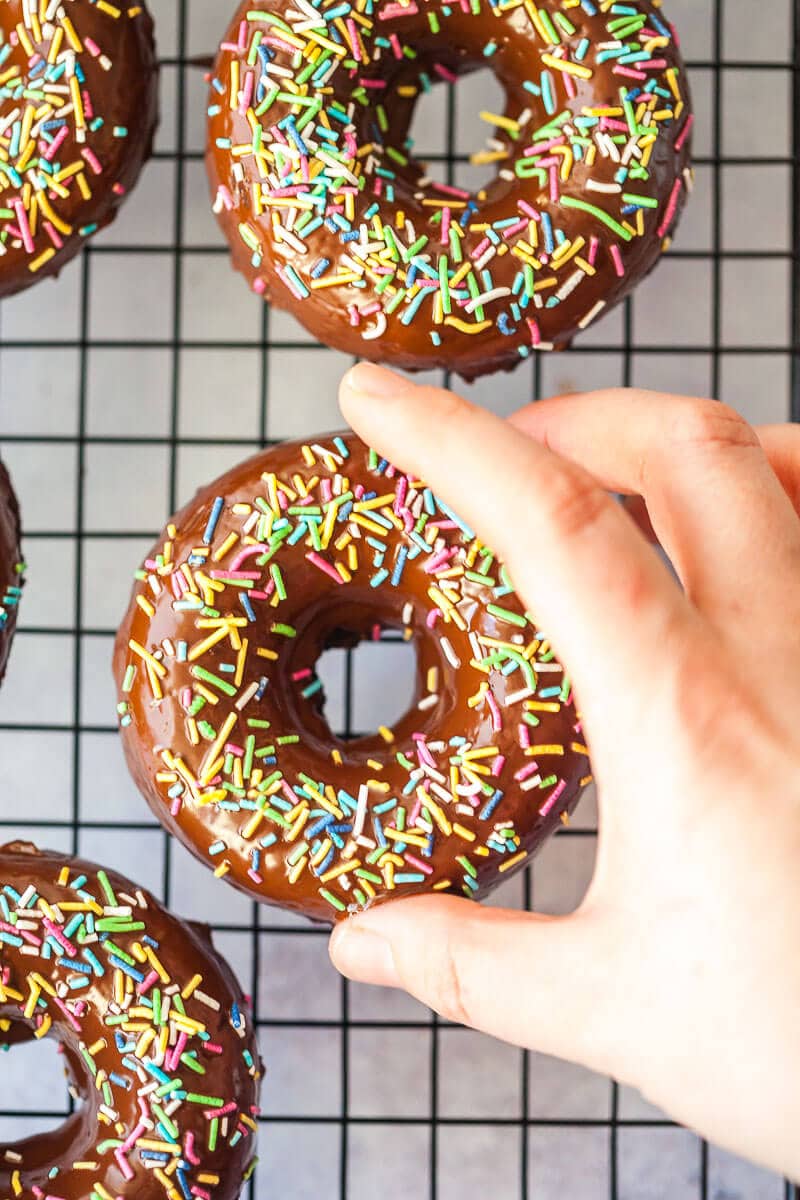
x=679 y=974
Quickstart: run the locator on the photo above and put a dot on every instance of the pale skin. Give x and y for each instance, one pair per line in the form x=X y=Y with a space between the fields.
x=679 y=974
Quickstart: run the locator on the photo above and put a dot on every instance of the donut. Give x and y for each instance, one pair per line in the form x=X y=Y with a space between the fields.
x=11 y=566
x=159 y=1048
x=78 y=110
x=313 y=545
x=329 y=215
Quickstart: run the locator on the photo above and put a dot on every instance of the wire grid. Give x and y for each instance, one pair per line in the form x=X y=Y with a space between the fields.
x=147 y=370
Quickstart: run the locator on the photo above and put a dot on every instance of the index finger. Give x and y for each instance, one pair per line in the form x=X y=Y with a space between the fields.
x=605 y=599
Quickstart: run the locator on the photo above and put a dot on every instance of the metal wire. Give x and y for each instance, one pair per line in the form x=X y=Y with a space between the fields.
x=174 y=341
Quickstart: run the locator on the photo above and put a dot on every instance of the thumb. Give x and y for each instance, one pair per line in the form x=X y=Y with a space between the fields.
x=531 y=980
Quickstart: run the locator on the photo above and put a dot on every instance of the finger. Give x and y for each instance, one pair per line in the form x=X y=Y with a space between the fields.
x=595 y=586
x=534 y=981
x=782 y=447
x=636 y=509
x=714 y=500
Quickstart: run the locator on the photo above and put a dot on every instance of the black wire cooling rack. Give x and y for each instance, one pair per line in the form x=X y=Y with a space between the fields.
x=343 y=1126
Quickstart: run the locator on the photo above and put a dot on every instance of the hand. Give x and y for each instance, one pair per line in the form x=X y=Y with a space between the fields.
x=680 y=973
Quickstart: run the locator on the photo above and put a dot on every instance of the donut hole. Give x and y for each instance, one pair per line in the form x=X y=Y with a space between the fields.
x=447 y=127
x=367 y=683
x=37 y=1096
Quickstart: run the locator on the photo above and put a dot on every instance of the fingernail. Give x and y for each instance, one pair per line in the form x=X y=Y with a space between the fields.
x=363 y=955
x=371 y=380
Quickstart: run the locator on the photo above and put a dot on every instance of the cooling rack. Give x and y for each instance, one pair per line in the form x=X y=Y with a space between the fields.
x=148 y=369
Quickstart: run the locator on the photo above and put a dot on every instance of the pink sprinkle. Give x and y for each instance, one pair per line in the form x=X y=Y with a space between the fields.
x=418 y=863
x=446 y=225
x=324 y=565
x=536 y=336
x=147 y=983
x=550 y=802
x=397 y=10
x=529 y=211
x=188 y=1148
x=92 y=160
x=56 y=142
x=497 y=720
x=449 y=190
x=424 y=754
x=554 y=190
x=542 y=148
x=290 y=285
x=304 y=674
x=498 y=762
x=524 y=736
x=124 y=1165
x=671 y=207
x=64 y=942
x=594 y=246
x=92 y=46
x=433 y=617
x=618 y=263
x=53 y=234
x=210 y=1113
x=445 y=73
x=246 y=93
x=526 y=772
x=133 y=1138
x=256 y=878
x=24 y=227
x=400 y=494
x=397 y=49
x=75 y=1025
x=354 y=42
x=684 y=133
x=439 y=560
x=180 y=1046
x=234 y=749
x=629 y=71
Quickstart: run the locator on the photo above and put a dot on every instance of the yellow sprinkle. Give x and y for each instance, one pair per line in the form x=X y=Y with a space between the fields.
x=510 y=862
x=570 y=68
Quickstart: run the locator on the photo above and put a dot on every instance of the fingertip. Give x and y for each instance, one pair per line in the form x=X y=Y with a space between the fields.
x=362 y=955
x=366 y=382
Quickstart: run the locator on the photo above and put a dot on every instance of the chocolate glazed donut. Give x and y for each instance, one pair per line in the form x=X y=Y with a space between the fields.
x=11 y=566
x=159 y=1048
x=303 y=547
x=328 y=213
x=78 y=110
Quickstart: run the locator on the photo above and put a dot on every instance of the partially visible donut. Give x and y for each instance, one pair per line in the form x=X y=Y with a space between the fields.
x=159 y=1047
x=318 y=544
x=78 y=109
x=328 y=213
x=11 y=566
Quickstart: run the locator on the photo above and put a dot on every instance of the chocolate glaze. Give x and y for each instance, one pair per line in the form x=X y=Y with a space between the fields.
x=10 y=565
x=329 y=313
x=84 y=1019
x=119 y=88
x=156 y=731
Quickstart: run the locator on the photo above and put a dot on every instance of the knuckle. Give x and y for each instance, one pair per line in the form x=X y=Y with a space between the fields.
x=449 y=406
x=708 y=424
x=575 y=503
